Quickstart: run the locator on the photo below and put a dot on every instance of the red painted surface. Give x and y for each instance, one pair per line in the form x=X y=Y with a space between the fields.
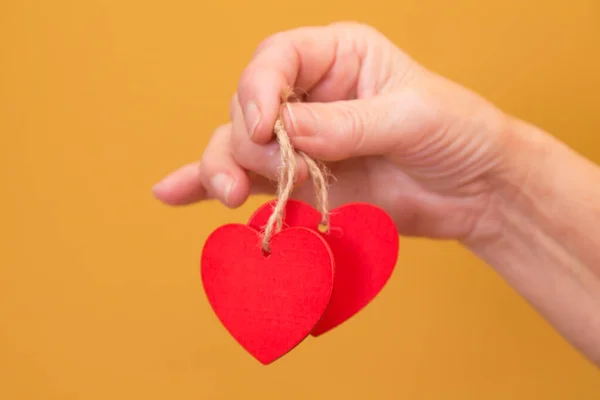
x=269 y=304
x=365 y=244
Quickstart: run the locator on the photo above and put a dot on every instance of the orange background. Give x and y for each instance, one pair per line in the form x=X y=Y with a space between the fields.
x=100 y=295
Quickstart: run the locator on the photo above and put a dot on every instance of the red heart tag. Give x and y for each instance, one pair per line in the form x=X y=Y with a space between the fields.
x=268 y=302
x=364 y=242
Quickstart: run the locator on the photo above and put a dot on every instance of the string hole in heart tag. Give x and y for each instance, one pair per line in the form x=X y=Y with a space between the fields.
x=265 y=253
x=323 y=228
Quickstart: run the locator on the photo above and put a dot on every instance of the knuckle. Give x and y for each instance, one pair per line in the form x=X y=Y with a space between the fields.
x=219 y=139
x=217 y=150
x=357 y=27
x=268 y=42
x=205 y=164
x=245 y=82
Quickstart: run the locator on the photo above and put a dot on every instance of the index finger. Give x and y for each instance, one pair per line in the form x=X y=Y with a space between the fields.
x=295 y=59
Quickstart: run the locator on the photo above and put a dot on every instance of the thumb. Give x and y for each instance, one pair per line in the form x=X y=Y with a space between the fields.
x=344 y=129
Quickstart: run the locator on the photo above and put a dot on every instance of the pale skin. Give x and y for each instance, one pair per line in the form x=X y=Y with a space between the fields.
x=441 y=160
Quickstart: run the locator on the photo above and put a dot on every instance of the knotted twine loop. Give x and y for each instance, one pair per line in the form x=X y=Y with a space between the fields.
x=286 y=182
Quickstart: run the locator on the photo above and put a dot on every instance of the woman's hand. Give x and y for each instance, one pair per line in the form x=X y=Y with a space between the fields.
x=439 y=159
x=393 y=134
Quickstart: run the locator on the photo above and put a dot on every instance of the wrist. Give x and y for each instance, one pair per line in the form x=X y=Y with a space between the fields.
x=524 y=150
x=542 y=237
x=541 y=186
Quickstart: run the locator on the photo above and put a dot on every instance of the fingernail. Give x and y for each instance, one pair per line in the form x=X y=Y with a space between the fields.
x=222 y=185
x=252 y=115
x=299 y=120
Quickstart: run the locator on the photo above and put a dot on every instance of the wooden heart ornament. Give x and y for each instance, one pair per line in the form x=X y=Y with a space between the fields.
x=365 y=244
x=268 y=302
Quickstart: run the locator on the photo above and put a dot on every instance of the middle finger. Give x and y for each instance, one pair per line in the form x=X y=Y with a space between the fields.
x=262 y=159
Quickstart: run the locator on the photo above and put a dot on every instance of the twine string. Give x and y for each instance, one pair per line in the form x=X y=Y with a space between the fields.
x=286 y=180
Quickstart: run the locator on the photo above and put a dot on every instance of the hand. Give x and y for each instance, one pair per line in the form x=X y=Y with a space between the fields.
x=428 y=151
x=439 y=159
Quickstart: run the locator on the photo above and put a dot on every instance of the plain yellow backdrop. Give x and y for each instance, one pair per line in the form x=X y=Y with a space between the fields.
x=100 y=294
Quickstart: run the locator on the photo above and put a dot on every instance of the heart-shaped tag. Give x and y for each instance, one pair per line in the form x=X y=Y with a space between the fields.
x=268 y=302
x=364 y=242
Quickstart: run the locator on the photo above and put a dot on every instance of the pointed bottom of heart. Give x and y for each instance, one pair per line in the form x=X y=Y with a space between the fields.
x=268 y=303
